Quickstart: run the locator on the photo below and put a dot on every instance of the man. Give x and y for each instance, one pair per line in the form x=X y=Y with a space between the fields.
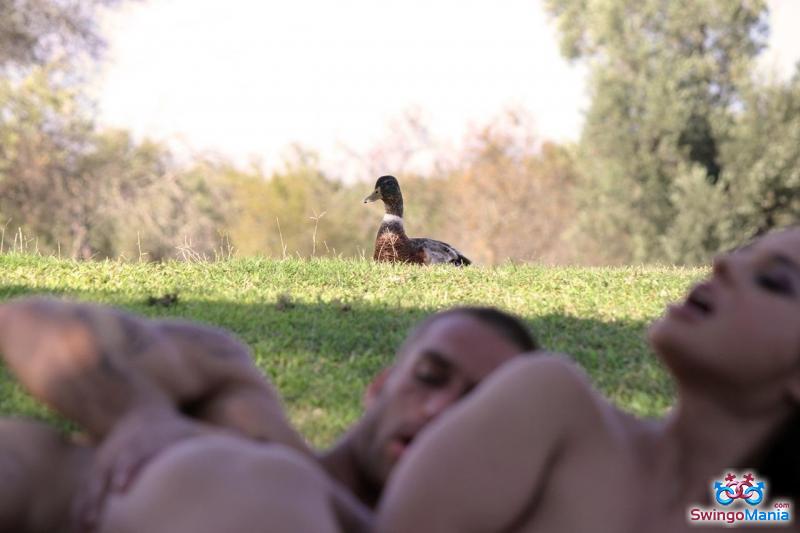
x=109 y=370
x=442 y=360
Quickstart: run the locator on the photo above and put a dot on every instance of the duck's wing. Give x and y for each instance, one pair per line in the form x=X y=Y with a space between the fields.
x=439 y=252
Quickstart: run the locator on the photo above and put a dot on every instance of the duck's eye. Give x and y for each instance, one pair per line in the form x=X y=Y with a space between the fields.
x=777 y=283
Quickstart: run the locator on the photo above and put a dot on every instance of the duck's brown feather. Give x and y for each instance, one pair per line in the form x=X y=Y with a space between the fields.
x=394 y=246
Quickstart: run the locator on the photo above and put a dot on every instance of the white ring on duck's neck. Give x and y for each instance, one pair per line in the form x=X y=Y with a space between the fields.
x=387 y=218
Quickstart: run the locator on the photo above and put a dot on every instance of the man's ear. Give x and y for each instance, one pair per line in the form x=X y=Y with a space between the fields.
x=375 y=387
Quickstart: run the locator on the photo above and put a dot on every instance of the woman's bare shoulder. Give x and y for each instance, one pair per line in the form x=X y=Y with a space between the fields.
x=558 y=387
x=544 y=373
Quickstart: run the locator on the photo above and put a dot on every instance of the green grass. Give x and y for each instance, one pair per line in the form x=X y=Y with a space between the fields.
x=321 y=328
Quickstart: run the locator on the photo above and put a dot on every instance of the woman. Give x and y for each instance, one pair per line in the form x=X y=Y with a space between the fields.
x=537 y=449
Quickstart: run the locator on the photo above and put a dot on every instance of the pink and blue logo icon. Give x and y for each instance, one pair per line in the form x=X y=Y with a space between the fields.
x=733 y=489
x=741 y=502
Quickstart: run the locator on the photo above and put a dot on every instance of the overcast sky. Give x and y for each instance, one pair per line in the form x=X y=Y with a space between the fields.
x=248 y=78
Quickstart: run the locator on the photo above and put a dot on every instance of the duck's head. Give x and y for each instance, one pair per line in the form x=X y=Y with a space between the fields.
x=387 y=189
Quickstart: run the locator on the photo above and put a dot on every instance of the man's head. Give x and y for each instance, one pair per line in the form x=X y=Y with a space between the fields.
x=441 y=361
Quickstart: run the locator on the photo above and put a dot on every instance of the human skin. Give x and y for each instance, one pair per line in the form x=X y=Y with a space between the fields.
x=436 y=368
x=39 y=470
x=226 y=483
x=95 y=364
x=536 y=448
x=106 y=369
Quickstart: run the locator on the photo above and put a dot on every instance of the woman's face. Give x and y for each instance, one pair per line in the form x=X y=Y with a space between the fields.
x=742 y=325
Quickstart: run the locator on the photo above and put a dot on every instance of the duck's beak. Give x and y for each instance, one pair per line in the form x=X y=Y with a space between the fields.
x=376 y=195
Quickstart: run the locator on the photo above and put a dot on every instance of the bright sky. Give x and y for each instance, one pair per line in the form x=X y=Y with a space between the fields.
x=246 y=78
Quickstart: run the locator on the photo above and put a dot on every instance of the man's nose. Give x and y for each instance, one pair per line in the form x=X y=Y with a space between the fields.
x=438 y=402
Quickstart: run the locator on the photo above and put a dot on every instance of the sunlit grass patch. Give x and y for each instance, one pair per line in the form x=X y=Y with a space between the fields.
x=322 y=328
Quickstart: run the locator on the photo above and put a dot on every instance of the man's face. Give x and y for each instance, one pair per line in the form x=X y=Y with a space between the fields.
x=435 y=369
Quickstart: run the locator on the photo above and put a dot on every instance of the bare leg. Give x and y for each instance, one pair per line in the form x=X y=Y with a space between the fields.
x=40 y=471
x=224 y=483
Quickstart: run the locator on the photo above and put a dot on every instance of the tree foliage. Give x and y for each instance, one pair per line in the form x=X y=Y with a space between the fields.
x=85 y=192
x=295 y=211
x=511 y=196
x=507 y=196
x=37 y=32
x=686 y=151
x=674 y=114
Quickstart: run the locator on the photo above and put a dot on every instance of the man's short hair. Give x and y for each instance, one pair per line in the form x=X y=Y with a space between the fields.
x=507 y=325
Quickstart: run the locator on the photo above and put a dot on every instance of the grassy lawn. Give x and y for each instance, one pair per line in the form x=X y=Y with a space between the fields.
x=321 y=328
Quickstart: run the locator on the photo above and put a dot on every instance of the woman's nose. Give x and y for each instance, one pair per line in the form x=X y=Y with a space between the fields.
x=724 y=265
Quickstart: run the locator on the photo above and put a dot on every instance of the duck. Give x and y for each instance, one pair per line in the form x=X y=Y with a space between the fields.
x=393 y=245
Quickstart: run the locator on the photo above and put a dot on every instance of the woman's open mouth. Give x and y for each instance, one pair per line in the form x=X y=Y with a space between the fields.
x=699 y=304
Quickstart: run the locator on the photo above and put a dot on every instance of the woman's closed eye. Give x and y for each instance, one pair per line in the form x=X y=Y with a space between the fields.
x=776 y=282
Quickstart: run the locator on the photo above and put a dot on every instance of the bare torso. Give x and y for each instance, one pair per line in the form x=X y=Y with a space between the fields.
x=538 y=450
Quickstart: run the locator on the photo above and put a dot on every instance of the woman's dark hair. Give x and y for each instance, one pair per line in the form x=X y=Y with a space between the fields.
x=779 y=460
x=779 y=463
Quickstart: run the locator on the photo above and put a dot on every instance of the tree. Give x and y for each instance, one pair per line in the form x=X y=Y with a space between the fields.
x=762 y=171
x=511 y=196
x=37 y=32
x=297 y=210
x=88 y=193
x=668 y=84
x=40 y=131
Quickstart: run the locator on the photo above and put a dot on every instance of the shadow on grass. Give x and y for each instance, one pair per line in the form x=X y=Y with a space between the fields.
x=322 y=355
